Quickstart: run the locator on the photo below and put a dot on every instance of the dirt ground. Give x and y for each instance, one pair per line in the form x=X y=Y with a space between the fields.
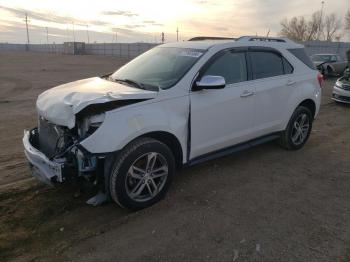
x=262 y=204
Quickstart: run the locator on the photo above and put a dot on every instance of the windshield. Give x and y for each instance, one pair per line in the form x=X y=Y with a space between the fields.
x=161 y=66
x=321 y=58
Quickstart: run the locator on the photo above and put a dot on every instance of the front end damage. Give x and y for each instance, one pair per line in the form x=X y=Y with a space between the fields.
x=69 y=114
x=55 y=155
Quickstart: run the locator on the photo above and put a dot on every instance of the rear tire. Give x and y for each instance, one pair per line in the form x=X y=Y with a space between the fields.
x=298 y=129
x=141 y=174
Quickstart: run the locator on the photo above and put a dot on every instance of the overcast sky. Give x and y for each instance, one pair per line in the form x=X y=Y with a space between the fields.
x=143 y=21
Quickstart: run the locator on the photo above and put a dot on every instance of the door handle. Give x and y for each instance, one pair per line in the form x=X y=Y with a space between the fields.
x=290 y=82
x=247 y=93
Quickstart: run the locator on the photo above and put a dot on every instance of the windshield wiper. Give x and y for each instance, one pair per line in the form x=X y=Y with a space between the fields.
x=131 y=82
x=138 y=84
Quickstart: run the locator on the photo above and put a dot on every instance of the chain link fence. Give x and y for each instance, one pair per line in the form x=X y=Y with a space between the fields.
x=131 y=50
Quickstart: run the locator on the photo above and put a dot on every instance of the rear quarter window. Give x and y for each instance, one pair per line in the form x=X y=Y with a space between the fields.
x=302 y=56
x=288 y=68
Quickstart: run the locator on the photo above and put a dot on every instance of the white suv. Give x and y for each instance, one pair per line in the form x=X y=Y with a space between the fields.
x=177 y=104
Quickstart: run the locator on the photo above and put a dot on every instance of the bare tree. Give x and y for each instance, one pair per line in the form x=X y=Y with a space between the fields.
x=347 y=20
x=299 y=29
x=316 y=28
x=332 y=25
x=295 y=28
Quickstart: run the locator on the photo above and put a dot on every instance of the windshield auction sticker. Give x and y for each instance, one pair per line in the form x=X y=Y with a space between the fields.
x=191 y=53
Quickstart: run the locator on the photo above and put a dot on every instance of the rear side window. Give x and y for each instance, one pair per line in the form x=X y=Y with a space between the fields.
x=302 y=56
x=231 y=66
x=266 y=64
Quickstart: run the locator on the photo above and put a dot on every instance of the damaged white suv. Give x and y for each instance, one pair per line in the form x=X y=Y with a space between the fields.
x=177 y=104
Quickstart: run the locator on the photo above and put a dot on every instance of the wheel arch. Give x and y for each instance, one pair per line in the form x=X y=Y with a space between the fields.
x=310 y=104
x=170 y=140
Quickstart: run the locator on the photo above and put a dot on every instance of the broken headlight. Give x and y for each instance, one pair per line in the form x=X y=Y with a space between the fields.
x=90 y=124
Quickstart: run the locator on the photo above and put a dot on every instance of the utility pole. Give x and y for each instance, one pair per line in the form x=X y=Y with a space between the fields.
x=87 y=33
x=114 y=36
x=73 y=32
x=67 y=33
x=177 y=34
x=163 y=39
x=47 y=35
x=320 y=22
x=26 y=20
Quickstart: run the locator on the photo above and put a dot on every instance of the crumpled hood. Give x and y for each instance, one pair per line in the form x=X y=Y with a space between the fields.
x=60 y=104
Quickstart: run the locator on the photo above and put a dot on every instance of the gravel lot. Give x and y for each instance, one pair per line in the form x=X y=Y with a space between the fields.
x=262 y=204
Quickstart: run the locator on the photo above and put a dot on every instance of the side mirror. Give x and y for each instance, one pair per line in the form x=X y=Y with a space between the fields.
x=210 y=82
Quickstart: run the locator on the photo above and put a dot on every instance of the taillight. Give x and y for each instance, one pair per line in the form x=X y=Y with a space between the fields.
x=320 y=79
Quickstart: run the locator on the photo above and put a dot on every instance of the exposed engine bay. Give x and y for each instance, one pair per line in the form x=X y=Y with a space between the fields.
x=59 y=143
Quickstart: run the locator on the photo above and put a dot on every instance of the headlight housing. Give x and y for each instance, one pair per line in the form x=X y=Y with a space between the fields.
x=90 y=124
x=342 y=85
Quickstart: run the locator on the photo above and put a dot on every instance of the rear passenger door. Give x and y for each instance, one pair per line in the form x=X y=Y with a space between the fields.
x=271 y=75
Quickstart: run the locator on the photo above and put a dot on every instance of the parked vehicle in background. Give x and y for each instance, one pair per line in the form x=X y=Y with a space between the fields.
x=341 y=90
x=178 y=104
x=330 y=64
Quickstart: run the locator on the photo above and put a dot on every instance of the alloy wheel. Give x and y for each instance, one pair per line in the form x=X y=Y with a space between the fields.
x=146 y=177
x=300 y=129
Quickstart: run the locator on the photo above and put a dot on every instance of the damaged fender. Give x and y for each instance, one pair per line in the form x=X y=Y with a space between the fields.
x=125 y=124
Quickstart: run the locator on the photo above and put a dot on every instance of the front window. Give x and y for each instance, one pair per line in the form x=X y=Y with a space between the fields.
x=231 y=66
x=321 y=58
x=162 y=67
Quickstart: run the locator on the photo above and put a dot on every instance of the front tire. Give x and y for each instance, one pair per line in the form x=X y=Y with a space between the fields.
x=298 y=129
x=141 y=174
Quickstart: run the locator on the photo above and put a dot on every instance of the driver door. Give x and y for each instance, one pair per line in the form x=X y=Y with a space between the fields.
x=224 y=117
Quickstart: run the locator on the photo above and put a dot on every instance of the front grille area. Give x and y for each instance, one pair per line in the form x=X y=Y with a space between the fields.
x=50 y=137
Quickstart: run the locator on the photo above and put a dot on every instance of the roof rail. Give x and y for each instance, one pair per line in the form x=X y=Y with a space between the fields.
x=264 y=39
x=201 y=38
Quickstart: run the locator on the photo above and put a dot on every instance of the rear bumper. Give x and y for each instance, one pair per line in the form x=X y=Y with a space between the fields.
x=42 y=168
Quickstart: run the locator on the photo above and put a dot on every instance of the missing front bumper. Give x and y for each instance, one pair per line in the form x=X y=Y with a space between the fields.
x=42 y=168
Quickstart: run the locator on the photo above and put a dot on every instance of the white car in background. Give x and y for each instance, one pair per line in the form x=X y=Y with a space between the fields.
x=341 y=89
x=177 y=104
